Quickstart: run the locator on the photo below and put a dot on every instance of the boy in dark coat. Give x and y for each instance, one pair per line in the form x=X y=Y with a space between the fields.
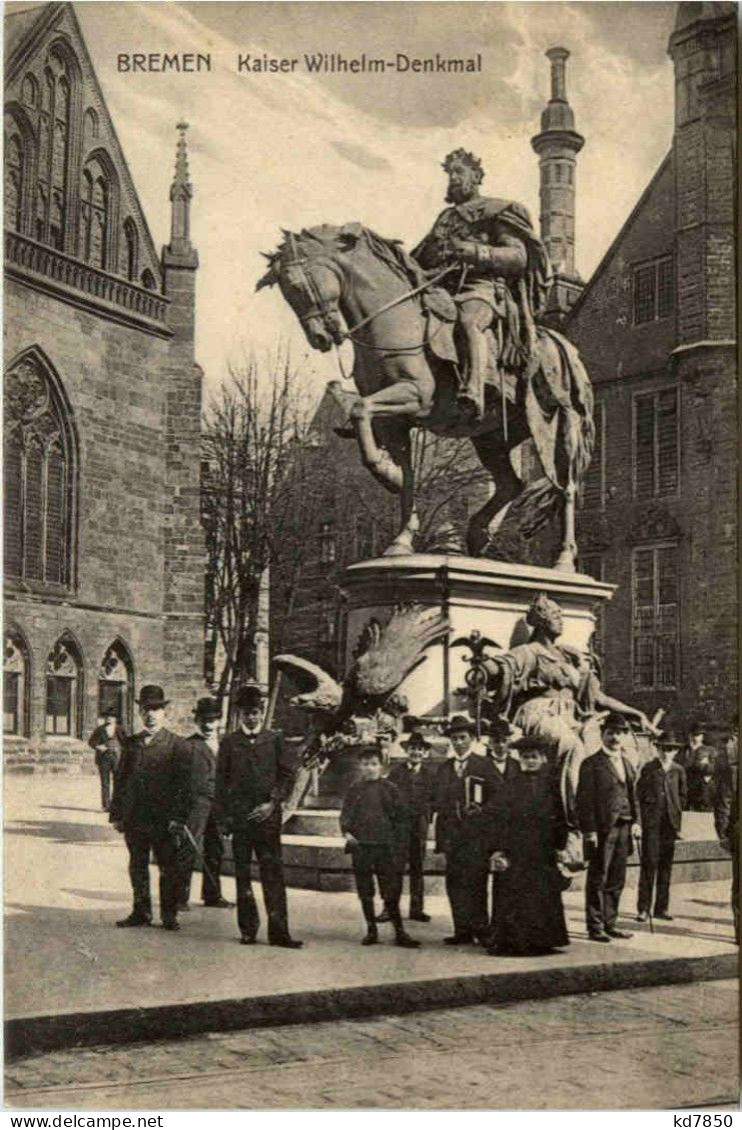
x=107 y=740
x=527 y=913
x=662 y=793
x=152 y=801
x=466 y=805
x=415 y=784
x=371 y=820
x=253 y=777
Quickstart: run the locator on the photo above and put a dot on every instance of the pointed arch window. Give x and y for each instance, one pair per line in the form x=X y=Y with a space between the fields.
x=95 y=215
x=116 y=683
x=64 y=689
x=130 y=256
x=14 y=161
x=39 y=476
x=15 y=685
x=52 y=120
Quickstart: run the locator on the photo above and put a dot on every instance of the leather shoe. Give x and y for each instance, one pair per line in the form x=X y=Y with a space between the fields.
x=458 y=940
x=288 y=944
x=406 y=942
x=642 y=916
x=599 y=936
x=223 y=904
x=665 y=917
x=247 y=940
x=625 y=934
x=370 y=940
x=134 y=920
x=420 y=917
x=171 y=924
x=183 y=908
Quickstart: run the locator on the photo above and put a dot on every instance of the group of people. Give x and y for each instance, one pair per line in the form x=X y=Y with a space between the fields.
x=499 y=822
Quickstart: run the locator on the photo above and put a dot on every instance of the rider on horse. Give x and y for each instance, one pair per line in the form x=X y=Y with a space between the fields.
x=504 y=279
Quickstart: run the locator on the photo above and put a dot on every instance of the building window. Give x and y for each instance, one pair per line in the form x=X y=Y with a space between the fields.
x=328 y=627
x=654 y=290
x=656 y=444
x=365 y=540
x=656 y=618
x=592 y=490
x=63 y=689
x=14 y=164
x=327 y=544
x=15 y=685
x=94 y=215
x=116 y=683
x=52 y=120
x=591 y=564
x=130 y=250
x=39 y=476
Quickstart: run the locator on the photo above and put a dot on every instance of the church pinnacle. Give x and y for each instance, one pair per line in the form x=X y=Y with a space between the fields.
x=181 y=194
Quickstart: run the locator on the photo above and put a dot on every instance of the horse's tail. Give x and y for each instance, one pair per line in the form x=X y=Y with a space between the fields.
x=579 y=420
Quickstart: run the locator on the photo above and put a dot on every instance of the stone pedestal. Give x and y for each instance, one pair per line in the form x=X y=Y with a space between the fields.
x=489 y=596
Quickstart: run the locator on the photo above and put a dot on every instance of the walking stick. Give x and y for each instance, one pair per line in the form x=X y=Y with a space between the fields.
x=638 y=842
x=199 y=855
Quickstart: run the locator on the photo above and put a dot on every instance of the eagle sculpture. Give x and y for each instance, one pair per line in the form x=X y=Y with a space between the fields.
x=383 y=657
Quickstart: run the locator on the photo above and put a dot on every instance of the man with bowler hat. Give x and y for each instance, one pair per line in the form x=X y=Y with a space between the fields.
x=661 y=791
x=253 y=777
x=608 y=816
x=204 y=829
x=698 y=759
x=152 y=802
x=465 y=805
x=414 y=782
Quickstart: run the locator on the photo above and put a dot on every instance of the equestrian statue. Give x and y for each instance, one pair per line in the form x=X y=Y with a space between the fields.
x=447 y=338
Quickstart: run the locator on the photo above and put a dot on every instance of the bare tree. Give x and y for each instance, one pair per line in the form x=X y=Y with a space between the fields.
x=259 y=488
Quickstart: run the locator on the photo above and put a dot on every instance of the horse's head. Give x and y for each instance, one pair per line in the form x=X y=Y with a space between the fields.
x=310 y=270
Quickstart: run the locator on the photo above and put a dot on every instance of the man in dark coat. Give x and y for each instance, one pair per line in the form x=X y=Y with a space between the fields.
x=414 y=782
x=726 y=810
x=253 y=777
x=203 y=827
x=499 y=738
x=607 y=813
x=527 y=912
x=107 y=740
x=698 y=760
x=152 y=801
x=465 y=803
x=661 y=791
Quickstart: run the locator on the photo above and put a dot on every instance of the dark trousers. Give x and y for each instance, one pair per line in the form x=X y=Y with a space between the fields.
x=658 y=849
x=106 y=766
x=265 y=843
x=734 y=832
x=467 y=868
x=140 y=842
x=206 y=834
x=606 y=876
x=412 y=855
x=378 y=860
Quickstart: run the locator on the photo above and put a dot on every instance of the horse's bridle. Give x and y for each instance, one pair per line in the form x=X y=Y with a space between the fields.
x=323 y=307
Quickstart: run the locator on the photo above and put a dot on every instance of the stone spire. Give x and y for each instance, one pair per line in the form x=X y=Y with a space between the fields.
x=557 y=146
x=181 y=194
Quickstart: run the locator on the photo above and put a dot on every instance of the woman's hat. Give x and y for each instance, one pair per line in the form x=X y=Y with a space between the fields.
x=152 y=697
x=416 y=739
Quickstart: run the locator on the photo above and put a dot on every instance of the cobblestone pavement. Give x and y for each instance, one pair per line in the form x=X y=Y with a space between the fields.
x=668 y=1047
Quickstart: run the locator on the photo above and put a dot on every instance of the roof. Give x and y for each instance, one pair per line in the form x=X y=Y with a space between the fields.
x=19 y=23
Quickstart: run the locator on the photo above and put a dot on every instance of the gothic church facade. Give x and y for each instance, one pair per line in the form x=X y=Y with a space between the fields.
x=103 y=555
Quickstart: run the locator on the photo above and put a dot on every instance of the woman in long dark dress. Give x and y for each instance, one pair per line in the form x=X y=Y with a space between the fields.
x=527 y=915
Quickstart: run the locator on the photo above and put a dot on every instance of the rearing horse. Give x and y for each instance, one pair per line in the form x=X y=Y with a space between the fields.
x=347 y=283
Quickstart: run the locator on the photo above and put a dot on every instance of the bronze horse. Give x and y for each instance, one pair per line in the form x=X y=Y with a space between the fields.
x=347 y=283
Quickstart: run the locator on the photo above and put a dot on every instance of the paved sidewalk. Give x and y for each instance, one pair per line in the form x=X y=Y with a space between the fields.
x=66 y=884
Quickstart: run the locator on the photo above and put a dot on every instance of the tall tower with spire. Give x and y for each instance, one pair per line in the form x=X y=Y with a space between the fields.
x=184 y=546
x=557 y=146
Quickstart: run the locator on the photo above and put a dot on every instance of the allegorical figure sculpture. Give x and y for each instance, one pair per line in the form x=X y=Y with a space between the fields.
x=549 y=690
x=503 y=281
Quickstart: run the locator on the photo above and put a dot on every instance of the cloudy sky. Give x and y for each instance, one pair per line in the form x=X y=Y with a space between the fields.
x=295 y=150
